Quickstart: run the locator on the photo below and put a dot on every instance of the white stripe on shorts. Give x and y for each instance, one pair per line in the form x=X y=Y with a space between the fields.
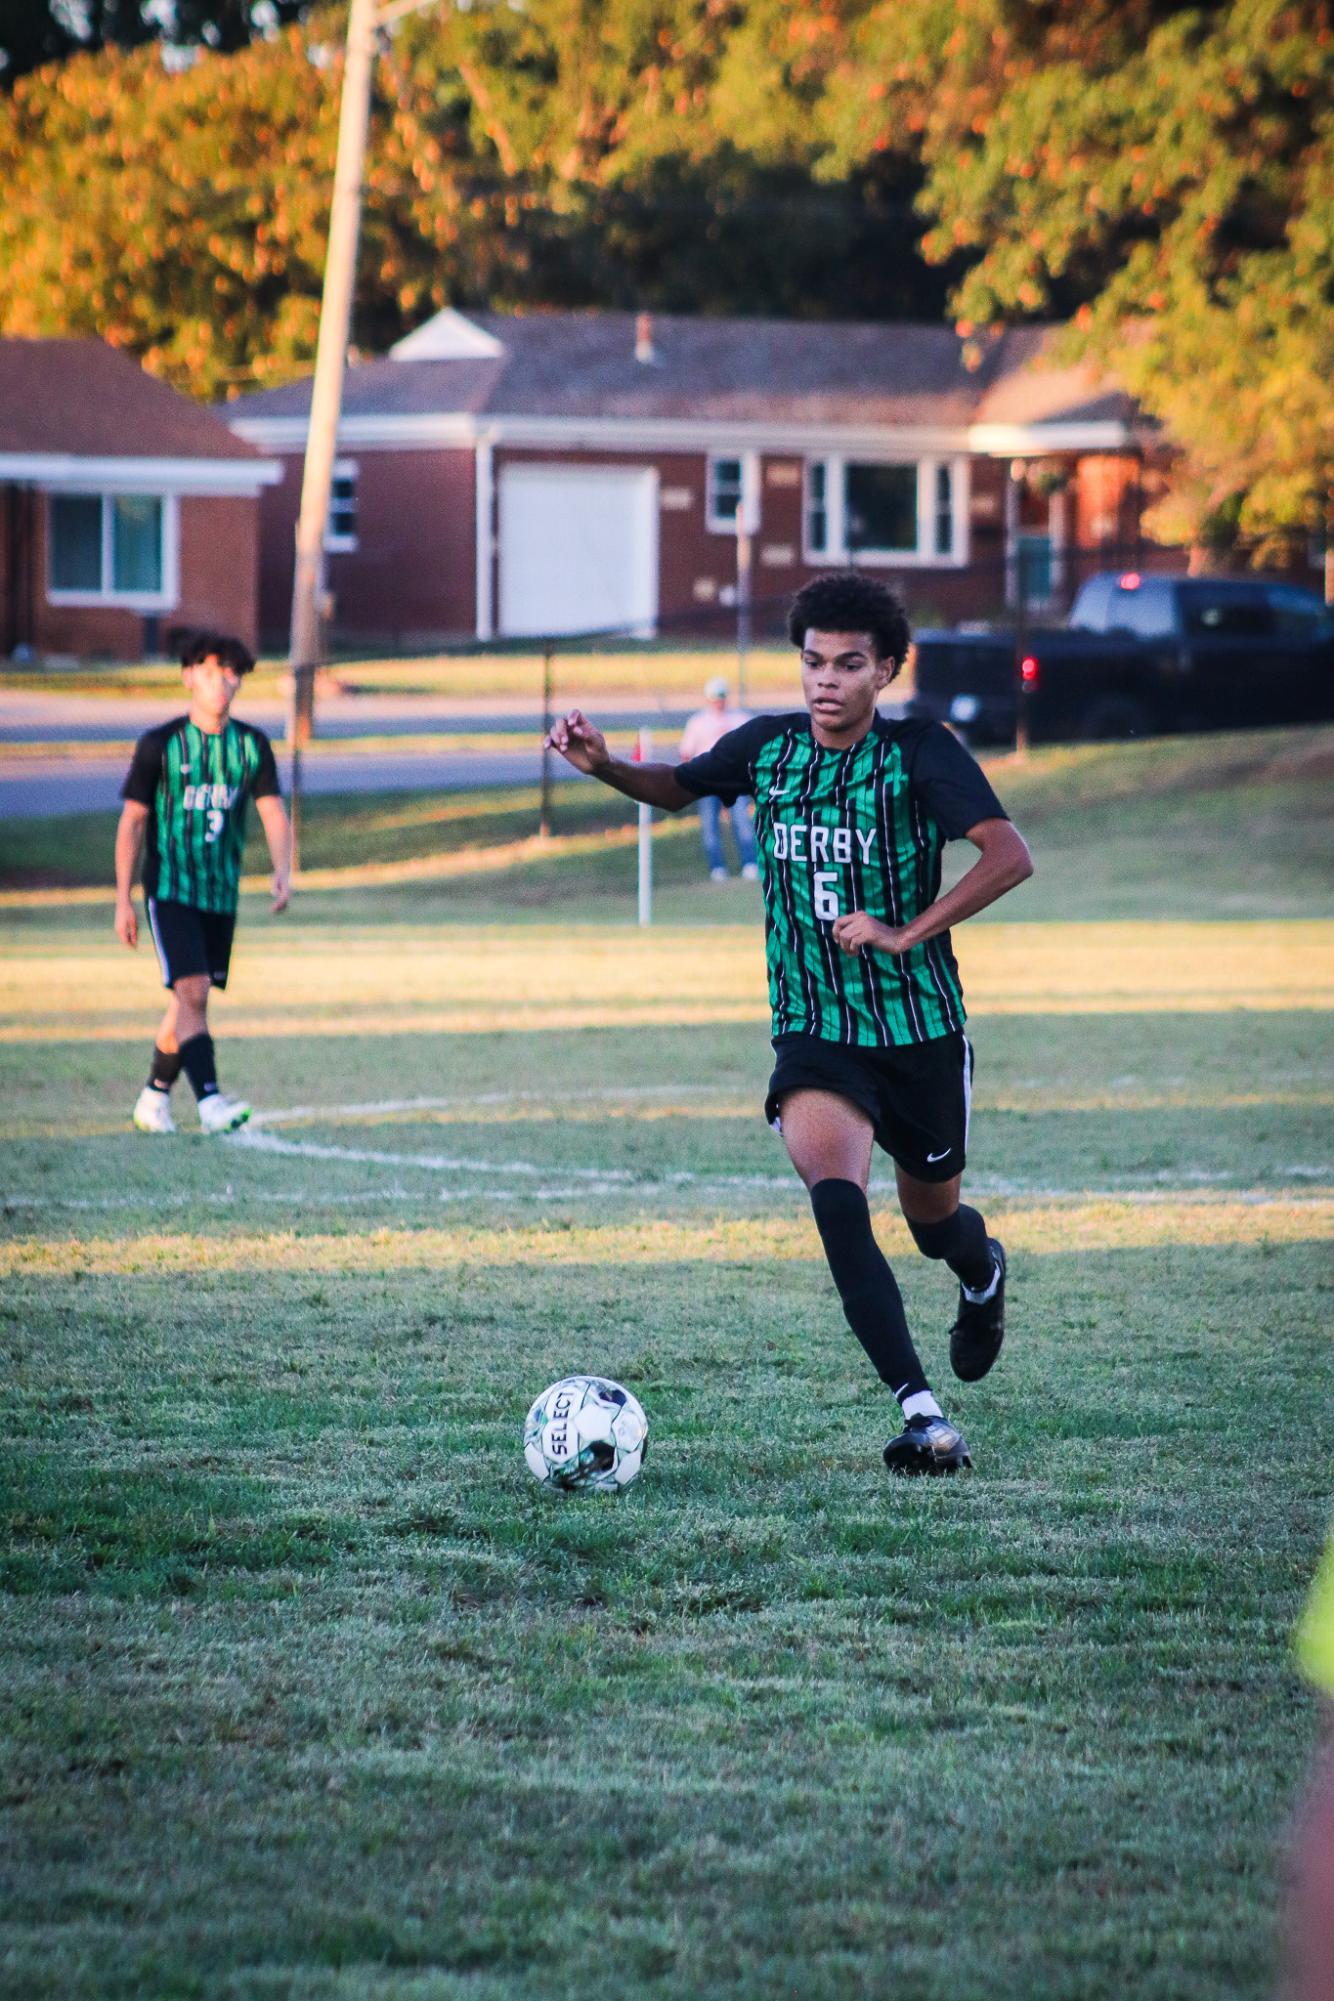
x=967 y=1089
x=151 y=903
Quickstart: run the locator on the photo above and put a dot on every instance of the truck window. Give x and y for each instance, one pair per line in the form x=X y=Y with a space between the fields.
x=1144 y=608
x=1298 y=613
x=1090 y=608
x=1224 y=611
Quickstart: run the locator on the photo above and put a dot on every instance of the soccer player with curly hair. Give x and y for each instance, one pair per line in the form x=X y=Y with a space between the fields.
x=852 y=812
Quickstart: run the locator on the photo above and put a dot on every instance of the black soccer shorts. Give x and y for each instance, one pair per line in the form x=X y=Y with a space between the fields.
x=191 y=941
x=917 y=1096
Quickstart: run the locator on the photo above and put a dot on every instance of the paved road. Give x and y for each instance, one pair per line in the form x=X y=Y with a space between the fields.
x=40 y=787
x=27 y=716
x=365 y=722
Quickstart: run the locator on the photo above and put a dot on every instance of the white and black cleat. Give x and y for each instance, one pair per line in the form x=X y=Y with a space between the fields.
x=930 y=1445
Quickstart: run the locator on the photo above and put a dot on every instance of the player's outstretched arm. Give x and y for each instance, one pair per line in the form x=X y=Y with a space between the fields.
x=1003 y=863
x=129 y=846
x=583 y=745
x=278 y=834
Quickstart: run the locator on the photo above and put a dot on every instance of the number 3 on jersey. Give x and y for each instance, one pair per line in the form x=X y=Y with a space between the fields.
x=826 y=899
x=214 y=827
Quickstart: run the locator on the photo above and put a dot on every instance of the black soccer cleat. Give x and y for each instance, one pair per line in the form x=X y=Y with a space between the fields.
x=929 y=1445
x=976 y=1336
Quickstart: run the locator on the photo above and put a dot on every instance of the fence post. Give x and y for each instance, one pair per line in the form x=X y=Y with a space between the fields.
x=645 y=836
x=1020 y=649
x=544 y=811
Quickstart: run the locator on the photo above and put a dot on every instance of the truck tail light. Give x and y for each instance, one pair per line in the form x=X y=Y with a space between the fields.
x=1130 y=581
x=1028 y=671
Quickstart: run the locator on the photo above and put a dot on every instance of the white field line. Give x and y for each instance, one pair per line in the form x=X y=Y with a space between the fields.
x=296 y=1114
x=573 y=1183
x=625 y=1178
x=255 y=1139
x=499 y=1170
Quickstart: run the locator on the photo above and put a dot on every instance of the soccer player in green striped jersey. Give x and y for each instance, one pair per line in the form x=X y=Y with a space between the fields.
x=852 y=812
x=186 y=796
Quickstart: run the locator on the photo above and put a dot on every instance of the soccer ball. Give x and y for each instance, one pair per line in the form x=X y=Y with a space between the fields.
x=585 y=1435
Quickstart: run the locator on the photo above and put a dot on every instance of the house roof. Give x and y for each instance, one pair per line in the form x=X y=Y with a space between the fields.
x=1028 y=384
x=82 y=399
x=585 y=365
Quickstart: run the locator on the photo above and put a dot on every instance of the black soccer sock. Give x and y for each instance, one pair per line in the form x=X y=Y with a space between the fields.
x=197 y=1057
x=164 y=1069
x=866 y=1285
x=962 y=1241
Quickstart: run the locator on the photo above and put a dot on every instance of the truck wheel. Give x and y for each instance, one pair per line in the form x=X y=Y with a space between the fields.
x=1113 y=718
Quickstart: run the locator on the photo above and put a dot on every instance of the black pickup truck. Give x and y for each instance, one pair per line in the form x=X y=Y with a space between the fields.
x=1140 y=654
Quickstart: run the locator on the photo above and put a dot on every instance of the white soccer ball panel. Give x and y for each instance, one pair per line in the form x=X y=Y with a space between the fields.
x=585 y=1434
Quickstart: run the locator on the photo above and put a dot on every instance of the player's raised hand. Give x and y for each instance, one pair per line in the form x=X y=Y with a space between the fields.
x=579 y=742
x=127 y=924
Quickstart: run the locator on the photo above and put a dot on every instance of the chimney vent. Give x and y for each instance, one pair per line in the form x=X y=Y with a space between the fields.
x=645 y=352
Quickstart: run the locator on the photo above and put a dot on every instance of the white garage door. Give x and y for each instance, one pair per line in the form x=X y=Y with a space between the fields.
x=578 y=548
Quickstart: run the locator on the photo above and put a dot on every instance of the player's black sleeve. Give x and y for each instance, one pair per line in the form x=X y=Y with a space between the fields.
x=728 y=770
x=145 y=772
x=950 y=783
x=266 y=784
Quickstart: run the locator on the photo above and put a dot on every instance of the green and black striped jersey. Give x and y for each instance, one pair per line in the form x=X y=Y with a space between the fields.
x=855 y=829
x=196 y=786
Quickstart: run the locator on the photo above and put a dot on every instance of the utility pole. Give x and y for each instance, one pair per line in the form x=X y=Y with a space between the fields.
x=306 y=644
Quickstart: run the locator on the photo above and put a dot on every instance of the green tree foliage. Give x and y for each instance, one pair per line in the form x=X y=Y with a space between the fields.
x=652 y=154
x=1160 y=174
x=180 y=216
x=1164 y=173
x=656 y=153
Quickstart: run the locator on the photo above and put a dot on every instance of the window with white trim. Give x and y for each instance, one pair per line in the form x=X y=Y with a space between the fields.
x=341 y=532
x=817 y=509
x=731 y=484
x=882 y=510
x=109 y=546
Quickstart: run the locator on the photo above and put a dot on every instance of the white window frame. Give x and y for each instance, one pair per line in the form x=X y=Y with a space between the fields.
x=924 y=556
x=164 y=599
x=343 y=545
x=748 y=501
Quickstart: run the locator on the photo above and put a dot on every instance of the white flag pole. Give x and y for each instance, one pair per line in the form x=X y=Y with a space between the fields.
x=645 y=836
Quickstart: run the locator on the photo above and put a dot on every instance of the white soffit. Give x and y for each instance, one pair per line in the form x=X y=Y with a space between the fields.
x=447 y=336
x=220 y=479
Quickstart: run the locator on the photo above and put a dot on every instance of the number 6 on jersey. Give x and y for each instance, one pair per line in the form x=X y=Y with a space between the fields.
x=826 y=895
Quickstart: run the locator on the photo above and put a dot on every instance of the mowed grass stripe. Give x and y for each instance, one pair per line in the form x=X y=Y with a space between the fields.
x=398 y=980
x=1039 y=1228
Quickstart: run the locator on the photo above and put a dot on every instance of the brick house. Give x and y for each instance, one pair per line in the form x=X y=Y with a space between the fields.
x=505 y=475
x=125 y=509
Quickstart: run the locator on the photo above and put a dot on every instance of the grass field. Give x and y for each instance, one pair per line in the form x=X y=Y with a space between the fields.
x=309 y=1691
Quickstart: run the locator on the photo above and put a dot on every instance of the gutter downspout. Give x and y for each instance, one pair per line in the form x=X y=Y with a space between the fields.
x=484 y=487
